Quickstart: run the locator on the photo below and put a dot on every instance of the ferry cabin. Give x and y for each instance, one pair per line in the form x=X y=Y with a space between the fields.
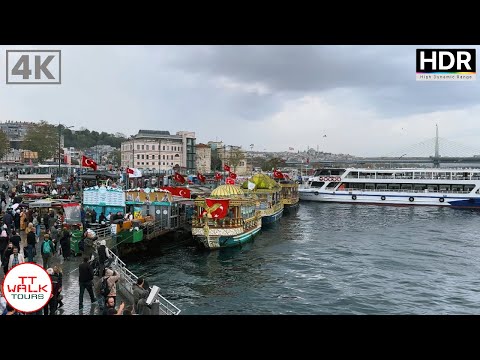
x=433 y=186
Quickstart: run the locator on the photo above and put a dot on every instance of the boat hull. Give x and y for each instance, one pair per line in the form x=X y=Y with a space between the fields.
x=273 y=218
x=220 y=238
x=400 y=199
x=290 y=208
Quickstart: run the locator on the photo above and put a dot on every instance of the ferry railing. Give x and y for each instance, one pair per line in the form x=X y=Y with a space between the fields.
x=407 y=190
x=164 y=306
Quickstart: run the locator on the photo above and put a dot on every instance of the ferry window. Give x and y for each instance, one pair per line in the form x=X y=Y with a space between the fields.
x=428 y=175
x=432 y=187
x=317 y=183
x=420 y=187
x=444 y=187
x=381 y=186
x=393 y=186
x=406 y=186
x=468 y=187
x=370 y=186
x=353 y=174
x=358 y=186
x=457 y=188
x=475 y=176
x=332 y=185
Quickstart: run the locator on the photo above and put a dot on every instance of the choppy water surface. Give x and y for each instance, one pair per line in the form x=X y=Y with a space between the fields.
x=333 y=259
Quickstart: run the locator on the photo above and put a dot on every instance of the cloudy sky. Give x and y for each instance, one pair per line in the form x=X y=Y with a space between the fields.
x=365 y=99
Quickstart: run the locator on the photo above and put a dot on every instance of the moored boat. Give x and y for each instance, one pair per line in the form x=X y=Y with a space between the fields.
x=226 y=218
x=289 y=196
x=413 y=186
x=269 y=204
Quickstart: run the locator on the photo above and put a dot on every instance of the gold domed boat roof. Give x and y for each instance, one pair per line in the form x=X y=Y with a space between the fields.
x=227 y=190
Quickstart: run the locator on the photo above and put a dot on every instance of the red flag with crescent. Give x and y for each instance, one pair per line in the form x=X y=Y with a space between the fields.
x=278 y=174
x=87 y=162
x=226 y=167
x=230 y=181
x=232 y=175
x=218 y=176
x=178 y=191
x=217 y=211
x=201 y=177
x=130 y=171
x=179 y=178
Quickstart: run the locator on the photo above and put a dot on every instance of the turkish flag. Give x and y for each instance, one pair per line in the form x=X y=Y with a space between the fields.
x=130 y=171
x=232 y=175
x=218 y=176
x=222 y=207
x=87 y=162
x=178 y=191
x=278 y=174
x=201 y=177
x=179 y=178
x=230 y=181
x=226 y=167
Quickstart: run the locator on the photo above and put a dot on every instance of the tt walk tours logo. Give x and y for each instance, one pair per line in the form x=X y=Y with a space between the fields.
x=27 y=287
x=446 y=65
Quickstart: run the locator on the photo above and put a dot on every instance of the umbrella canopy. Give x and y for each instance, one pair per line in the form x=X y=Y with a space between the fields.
x=40 y=184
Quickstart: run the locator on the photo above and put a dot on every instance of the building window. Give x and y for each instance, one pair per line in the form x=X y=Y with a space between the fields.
x=164 y=163
x=143 y=163
x=138 y=156
x=143 y=157
x=138 y=147
x=147 y=155
x=163 y=158
x=241 y=163
x=153 y=157
x=163 y=147
x=147 y=163
x=138 y=162
x=147 y=149
x=176 y=155
x=153 y=147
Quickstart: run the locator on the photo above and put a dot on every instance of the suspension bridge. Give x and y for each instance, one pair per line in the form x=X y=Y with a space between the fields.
x=434 y=151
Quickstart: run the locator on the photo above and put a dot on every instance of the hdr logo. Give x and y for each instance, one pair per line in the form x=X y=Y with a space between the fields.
x=446 y=64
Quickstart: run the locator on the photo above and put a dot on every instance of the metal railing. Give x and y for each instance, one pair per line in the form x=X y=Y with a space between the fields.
x=407 y=191
x=130 y=279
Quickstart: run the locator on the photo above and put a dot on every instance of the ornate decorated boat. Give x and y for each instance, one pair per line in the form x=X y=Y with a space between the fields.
x=226 y=218
x=269 y=203
x=290 y=197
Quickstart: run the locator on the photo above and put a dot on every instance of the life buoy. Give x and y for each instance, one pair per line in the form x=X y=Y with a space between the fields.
x=316 y=192
x=411 y=198
x=339 y=179
x=441 y=199
x=321 y=178
x=354 y=197
x=383 y=197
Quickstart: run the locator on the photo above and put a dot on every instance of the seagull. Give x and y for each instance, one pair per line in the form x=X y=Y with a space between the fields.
x=324 y=135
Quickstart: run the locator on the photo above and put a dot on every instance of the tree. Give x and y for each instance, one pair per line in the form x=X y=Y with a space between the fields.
x=236 y=155
x=216 y=162
x=115 y=158
x=4 y=144
x=273 y=163
x=42 y=138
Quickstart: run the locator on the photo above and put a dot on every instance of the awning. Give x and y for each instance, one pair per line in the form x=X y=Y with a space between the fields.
x=41 y=184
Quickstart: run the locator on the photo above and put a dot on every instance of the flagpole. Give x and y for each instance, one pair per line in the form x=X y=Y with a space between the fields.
x=81 y=182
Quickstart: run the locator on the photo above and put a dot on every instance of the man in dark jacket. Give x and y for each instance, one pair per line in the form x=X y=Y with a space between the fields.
x=85 y=279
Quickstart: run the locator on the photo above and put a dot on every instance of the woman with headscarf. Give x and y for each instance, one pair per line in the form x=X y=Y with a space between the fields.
x=65 y=243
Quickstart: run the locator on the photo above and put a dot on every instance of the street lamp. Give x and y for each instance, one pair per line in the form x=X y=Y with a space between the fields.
x=59 y=145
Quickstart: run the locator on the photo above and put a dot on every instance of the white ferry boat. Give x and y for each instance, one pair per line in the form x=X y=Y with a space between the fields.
x=418 y=186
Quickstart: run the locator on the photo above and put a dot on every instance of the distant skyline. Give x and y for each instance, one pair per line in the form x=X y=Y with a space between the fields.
x=358 y=100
